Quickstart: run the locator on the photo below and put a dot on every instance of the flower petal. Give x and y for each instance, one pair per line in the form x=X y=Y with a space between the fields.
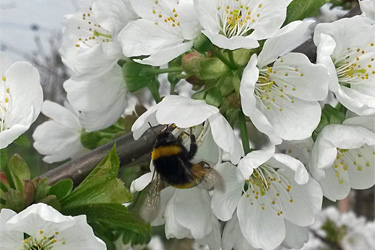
x=287 y=162
x=232 y=43
x=295 y=236
x=262 y=228
x=225 y=201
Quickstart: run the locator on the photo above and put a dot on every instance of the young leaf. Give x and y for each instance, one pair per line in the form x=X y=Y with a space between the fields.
x=100 y=186
x=19 y=172
x=61 y=189
x=300 y=9
x=138 y=76
x=23 y=141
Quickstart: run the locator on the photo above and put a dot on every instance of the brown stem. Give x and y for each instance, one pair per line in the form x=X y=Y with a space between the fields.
x=128 y=149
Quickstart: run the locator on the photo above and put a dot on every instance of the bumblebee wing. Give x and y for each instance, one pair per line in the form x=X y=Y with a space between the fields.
x=150 y=207
x=210 y=178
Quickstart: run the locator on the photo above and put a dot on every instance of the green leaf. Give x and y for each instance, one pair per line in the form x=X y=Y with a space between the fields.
x=23 y=141
x=242 y=56
x=61 y=189
x=330 y=115
x=19 y=172
x=100 y=186
x=114 y=217
x=138 y=76
x=300 y=9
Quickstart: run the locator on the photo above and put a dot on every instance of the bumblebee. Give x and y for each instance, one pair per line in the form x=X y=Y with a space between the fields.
x=172 y=162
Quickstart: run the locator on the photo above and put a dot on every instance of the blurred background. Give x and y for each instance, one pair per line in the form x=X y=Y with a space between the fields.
x=30 y=30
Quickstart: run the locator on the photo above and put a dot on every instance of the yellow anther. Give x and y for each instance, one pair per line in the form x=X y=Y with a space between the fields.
x=359 y=168
x=291 y=200
x=4 y=78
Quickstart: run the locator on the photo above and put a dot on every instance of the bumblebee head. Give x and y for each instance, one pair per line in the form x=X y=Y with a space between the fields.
x=164 y=139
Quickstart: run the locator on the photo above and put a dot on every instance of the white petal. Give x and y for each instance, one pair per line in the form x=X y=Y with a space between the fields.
x=144 y=121
x=144 y=37
x=165 y=55
x=332 y=188
x=140 y=183
x=248 y=101
x=296 y=121
x=25 y=91
x=9 y=135
x=295 y=236
x=253 y=160
x=233 y=238
x=98 y=96
x=358 y=102
x=306 y=200
x=287 y=162
x=262 y=228
x=225 y=201
x=309 y=82
x=188 y=18
x=284 y=41
x=197 y=222
x=225 y=138
x=60 y=115
x=165 y=195
x=368 y=8
x=184 y=112
x=232 y=43
x=207 y=15
x=272 y=15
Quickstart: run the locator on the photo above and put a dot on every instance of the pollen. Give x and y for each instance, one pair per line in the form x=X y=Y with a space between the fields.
x=4 y=78
x=41 y=231
x=359 y=168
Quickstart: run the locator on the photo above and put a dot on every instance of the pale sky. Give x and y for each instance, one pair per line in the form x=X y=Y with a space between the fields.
x=17 y=17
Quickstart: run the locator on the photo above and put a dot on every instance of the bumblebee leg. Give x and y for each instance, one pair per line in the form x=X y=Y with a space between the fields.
x=193 y=145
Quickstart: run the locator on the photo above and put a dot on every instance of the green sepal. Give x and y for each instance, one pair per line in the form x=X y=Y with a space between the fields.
x=214 y=97
x=115 y=218
x=100 y=186
x=61 y=189
x=300 y=9
x=330 y=115
x=242 y=56
x=212 y=68
x=52 y=201
x=92 y=140
x=138 y=76
x=15 y=200
x=41 y=188
x=23 y=141
x=202 y=44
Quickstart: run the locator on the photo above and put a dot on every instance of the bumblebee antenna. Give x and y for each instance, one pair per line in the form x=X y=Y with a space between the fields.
x=152 y=128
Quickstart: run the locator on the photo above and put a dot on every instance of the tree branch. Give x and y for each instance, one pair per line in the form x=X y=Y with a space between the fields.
x=130 y=150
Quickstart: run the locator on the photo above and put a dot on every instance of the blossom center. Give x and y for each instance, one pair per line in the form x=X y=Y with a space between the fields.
x=165 y=16
x=273 y=85
x=42 y=241
x=237 y=19
x=91 y=32
x=356 y=65
x=268 y=189
x=5 y=104
x=353 y=159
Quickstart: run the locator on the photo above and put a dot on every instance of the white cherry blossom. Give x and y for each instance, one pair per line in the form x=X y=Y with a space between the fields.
x=165 y=30
x=210 y=126
x=233 y=24
x=347 y=48
x=273 y=194
x=59 y=138
x=280 y=92
x=21 y=99
x=101 y=100
x=43 y=225
x=343 y=157
x=90 y=47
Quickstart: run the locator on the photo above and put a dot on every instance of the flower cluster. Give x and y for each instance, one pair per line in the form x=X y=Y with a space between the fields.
x=268 y=132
